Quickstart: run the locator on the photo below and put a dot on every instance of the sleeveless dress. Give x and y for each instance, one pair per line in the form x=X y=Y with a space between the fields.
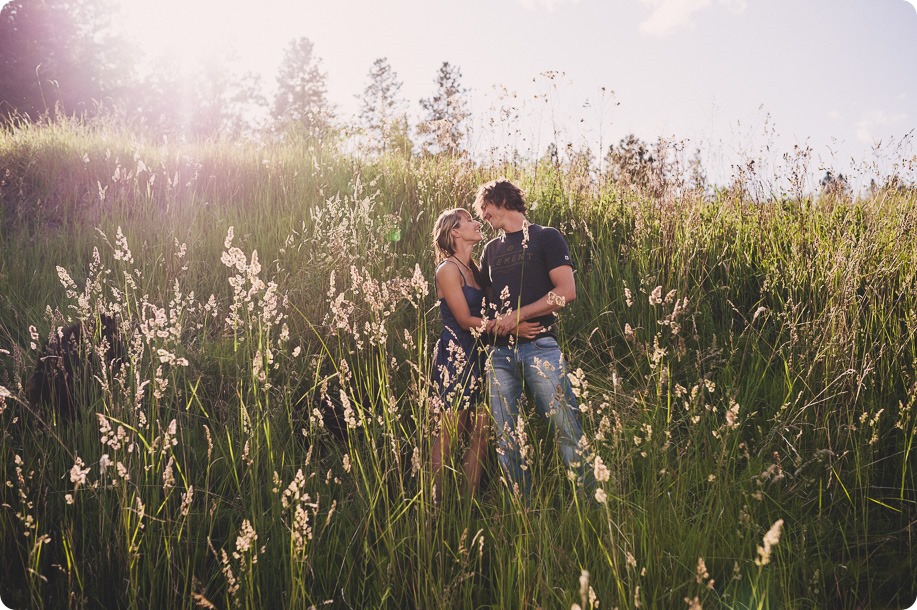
x=459 y=363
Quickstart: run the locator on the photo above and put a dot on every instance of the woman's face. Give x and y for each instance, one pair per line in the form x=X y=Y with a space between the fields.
x=468 y=229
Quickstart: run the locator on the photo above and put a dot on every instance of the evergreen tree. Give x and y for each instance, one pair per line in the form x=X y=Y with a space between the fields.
x=443 y=128
x=835 y=185
x=301 y=104
x=382 y=110
x=631 y=163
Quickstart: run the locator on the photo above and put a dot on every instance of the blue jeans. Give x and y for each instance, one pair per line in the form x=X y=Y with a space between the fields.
x=539 y=367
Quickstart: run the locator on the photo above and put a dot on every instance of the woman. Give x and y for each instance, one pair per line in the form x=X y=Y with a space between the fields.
x=459 y=364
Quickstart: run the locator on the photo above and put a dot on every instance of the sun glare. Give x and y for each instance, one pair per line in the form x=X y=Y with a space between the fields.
x=184 y=33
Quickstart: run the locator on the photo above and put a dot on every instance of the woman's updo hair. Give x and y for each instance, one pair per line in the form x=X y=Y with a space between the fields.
x=443 y=241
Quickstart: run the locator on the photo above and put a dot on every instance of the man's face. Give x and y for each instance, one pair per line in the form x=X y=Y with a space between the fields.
x=492 y=215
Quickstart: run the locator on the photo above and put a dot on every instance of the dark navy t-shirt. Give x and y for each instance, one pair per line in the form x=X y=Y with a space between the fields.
x=516 y=273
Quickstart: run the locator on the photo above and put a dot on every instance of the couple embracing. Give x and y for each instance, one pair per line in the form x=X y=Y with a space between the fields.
x=508 y=303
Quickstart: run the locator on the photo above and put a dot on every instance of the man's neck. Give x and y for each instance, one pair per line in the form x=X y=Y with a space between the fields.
x=514 y=222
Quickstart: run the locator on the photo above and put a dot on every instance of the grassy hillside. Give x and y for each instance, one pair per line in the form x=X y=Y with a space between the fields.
x=747 y=373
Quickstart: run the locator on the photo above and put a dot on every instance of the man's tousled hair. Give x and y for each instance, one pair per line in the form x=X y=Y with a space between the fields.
x=502 y=194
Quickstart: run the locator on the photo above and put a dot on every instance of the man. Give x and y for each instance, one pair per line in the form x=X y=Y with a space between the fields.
x=530 y=276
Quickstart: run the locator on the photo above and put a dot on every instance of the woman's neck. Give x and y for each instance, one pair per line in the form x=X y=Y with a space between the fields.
x=463 y=253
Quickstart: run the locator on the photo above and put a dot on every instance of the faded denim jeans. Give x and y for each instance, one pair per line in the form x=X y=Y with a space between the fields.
x=539 y=368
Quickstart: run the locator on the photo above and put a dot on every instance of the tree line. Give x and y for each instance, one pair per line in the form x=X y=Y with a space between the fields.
x=65 y=57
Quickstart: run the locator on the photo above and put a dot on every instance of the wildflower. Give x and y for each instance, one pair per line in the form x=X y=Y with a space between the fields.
x=334 y=505
x=731 y=415
x=123 y=474
x=161 y=384
x=556 y=299
x=600 y=496
x=771 y=538
x=67 y=282
x=258 y=367
x=415 y=461
x=419 y=282
x=349 y=414
x=139 y=509
x=68 y=498
x=168 y=478
x=78 y=473
x=186 y=499
x=628 y=297
x=659 y=352
x=577 y=380
x=232 y=584
x=169 y=439
x=122 y=251
x=655 y=297
x=602 y=474
x=246 y=539
x=301 y=530
x=583 y=585
x=294 y=492
x=702 y=573
x=504 y=295
x=4 y=394
x=167 y=357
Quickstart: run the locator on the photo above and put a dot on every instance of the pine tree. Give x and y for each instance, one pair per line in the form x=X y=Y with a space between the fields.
x=301 y=103
x=444 y=126
x=631 y=164
x=382 y=110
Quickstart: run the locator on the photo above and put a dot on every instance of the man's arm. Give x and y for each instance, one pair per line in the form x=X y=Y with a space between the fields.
x=564 y=292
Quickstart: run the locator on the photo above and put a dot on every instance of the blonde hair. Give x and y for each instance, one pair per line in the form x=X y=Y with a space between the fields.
x=443 y=241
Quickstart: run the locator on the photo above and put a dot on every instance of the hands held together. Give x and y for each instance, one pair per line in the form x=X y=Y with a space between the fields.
x=509 y=324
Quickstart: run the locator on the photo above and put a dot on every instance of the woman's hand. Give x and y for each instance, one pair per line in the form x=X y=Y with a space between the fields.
x=529 y=330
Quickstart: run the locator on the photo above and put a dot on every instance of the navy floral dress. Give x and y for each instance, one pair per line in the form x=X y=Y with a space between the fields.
x=459 y=363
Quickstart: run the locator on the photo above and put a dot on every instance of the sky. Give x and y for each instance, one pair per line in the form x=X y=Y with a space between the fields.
x=735 y=78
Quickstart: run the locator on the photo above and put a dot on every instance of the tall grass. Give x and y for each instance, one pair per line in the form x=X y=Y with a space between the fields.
x=746 y=370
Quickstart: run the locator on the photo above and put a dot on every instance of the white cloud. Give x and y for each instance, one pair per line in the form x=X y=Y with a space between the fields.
x=670 y=15
x=877 y=119
x=912 y=3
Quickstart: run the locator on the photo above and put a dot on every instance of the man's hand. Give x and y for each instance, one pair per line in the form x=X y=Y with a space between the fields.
x=507 y=323
x=510 y=324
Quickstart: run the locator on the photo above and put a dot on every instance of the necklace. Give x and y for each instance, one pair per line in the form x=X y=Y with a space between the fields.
x=472 y=281
x=462 y=264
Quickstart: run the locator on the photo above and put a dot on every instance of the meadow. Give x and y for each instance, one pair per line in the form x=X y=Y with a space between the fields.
x=746 y=369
